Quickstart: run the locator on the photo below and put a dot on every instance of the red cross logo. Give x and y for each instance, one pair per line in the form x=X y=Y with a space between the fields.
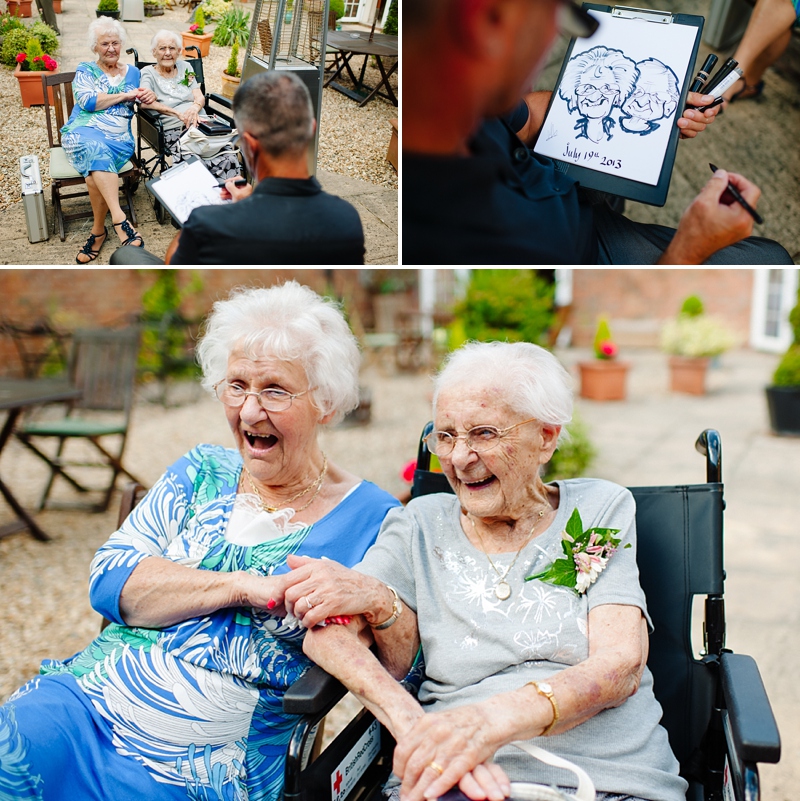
x=338 y=783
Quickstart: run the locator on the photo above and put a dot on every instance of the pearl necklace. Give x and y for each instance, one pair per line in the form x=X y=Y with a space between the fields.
x=502 y=589
x=316 y=483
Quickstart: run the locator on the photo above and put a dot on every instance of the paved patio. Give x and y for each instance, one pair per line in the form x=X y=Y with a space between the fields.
x=376 y=205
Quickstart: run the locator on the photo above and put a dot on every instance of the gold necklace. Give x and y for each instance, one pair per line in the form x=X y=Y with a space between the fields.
x=502 y=589
x=316 y=483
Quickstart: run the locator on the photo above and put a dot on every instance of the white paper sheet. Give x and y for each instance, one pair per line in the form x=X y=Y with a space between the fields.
x=618 y=98
x=187 y=186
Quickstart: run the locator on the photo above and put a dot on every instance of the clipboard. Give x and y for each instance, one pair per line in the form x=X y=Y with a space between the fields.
x=574 y=161
x=185 y=187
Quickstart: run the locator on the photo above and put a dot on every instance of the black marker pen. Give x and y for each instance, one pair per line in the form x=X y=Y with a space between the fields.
x=739 y=199
x=703 y=74
x=722 y=72
x=237 y=182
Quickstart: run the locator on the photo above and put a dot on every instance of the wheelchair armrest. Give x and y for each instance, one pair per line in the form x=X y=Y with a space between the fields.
x=752 y=724
x=226 y=102
x=312 y=693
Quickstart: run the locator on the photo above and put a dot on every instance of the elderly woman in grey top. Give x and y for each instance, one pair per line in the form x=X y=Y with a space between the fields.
x=524 y=597
x=179 y=99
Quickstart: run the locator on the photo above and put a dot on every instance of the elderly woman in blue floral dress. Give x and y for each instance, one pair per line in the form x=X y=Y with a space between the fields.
x=181 y=697
x=97 y=137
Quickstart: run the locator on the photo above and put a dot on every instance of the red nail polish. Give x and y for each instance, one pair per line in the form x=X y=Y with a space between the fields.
x=271 y=603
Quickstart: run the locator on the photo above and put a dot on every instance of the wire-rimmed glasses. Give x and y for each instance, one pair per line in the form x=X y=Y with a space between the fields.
x=271 y=399
x=478 y=439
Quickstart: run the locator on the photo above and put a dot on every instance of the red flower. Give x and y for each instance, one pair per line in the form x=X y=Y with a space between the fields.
x=608 y=349
x=194 y=27
x=50 y=63
x=21 y=57
x=408 y=472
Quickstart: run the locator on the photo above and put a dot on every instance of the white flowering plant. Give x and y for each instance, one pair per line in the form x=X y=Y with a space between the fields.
x=586 y=554
x=696 y=336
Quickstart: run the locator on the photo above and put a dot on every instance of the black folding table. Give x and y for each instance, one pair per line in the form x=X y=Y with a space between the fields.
x=350 y=44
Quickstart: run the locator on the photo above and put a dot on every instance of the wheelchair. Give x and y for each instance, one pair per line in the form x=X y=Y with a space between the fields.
x=150 y=132
x=716 y=711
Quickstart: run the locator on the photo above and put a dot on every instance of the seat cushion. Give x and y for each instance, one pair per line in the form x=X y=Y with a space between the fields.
x=61 y=169
x=72 y=427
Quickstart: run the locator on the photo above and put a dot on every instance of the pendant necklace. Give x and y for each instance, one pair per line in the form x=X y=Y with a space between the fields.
x=502 y=589
x=317 y=483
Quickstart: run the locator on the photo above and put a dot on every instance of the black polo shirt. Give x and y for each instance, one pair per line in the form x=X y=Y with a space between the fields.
x=501 y=205
x=284 y=221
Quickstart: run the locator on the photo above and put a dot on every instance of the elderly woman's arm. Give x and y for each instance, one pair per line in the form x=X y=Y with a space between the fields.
x=462 y=738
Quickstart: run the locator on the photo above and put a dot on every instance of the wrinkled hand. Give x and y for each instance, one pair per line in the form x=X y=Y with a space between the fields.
x=233 y=192
x=321 y=588
x=263 y=592
x=458 y=742
x=189 y=117
x=713 y=220
x=147 y=96
x=695 y=121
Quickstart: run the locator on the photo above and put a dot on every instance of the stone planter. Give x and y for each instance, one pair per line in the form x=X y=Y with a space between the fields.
x=229 y=84
x=20 y=8
x=153 y=11
x=603 y=379
x=688 y=374
x=202 y=42
x=30 y=87
x=784 y=410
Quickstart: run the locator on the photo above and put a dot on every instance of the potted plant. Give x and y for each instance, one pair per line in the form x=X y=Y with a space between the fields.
x=692 y=339
x=153 y=8
x=231 y=75
x=56 y=6
x=108 y=8
x=19 y=8
x=16 y=42
x=31 y=65
x=783 y=397
x=196 y=35
x=233 y=27
x=604 y=378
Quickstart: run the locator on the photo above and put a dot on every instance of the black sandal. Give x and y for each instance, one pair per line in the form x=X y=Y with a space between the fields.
x=88 y=248
x=127 y=229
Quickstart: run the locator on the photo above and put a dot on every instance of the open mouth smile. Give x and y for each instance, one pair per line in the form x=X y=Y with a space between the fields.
x=260 y=442
x=478 y=485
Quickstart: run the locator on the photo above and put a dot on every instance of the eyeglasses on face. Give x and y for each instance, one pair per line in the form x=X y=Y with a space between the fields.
x=574 y=21
x=271 y=399
x=478 y=439
x=168 y=49
x=606 y=89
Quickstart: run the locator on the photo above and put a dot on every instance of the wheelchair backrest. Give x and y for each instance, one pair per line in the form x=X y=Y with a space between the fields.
x=195 y=63
x=679 y=553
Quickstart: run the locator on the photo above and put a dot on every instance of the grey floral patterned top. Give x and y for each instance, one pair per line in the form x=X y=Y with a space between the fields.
x=476 y=645
x=173 y=92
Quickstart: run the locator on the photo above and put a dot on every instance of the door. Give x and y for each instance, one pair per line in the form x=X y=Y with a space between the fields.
x=774 y=295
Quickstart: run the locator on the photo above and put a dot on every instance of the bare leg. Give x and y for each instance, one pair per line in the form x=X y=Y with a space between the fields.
x=107 y=184
x=767 y=35
x=99 y=211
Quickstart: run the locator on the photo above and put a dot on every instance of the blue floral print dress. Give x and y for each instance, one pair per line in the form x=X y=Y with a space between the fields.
x=99 y=140
x=193 y=710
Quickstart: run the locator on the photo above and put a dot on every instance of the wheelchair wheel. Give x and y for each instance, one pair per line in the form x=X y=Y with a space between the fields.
x=161 y=212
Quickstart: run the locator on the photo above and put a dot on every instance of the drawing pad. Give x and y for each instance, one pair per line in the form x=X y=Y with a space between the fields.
x=611 y=121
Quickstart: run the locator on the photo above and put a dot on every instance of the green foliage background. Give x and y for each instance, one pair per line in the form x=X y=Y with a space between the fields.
x=390 y=28
x=787 y=373
x=17 y=40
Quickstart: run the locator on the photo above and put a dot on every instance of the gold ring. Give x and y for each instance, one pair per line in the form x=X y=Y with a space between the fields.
x=437 y=767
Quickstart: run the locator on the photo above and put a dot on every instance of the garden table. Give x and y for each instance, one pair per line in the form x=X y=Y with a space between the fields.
x=16 y=395
x=351 y=44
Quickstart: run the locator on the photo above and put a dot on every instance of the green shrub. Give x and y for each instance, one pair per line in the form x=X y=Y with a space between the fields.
x=337 y=6
x=199 y=22
x=214 y=9
x=390 y=27
x=787 y=373
x=233 y=27
x=692 y=306
x=233 y=62
x=794 y=321
x=17 y=42
x=574 y=454
x=512 y=305
x=8 y=23
x=108 y=5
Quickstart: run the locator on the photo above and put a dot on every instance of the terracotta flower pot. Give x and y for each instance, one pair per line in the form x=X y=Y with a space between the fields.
x=229 y=84
x=20 y=8
x=30 y=87
x=603 y=379
x=688 y=374
x=202 y=41
x=57 y=6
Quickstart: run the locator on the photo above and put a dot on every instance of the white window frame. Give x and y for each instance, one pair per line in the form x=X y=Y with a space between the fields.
x=759 y=339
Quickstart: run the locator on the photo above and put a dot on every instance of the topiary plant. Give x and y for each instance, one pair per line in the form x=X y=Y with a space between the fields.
x=337 y=6
x=199 y=26
x=692 y=306
x=108 y=5
x=604 y=346
x=233 y=62
x=787 y=374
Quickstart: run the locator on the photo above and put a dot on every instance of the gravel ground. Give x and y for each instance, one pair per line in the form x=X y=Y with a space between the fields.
x=46 y=611
x=353 y=140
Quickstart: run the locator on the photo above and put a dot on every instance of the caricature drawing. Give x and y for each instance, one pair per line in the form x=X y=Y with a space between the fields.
x=594 y=84
x=654 y=97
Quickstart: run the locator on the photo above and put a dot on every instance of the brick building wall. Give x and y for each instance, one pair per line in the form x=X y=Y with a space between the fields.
x=76 y=298
x=637 y=302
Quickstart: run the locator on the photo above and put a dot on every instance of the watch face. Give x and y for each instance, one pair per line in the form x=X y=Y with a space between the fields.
x=545 y=687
